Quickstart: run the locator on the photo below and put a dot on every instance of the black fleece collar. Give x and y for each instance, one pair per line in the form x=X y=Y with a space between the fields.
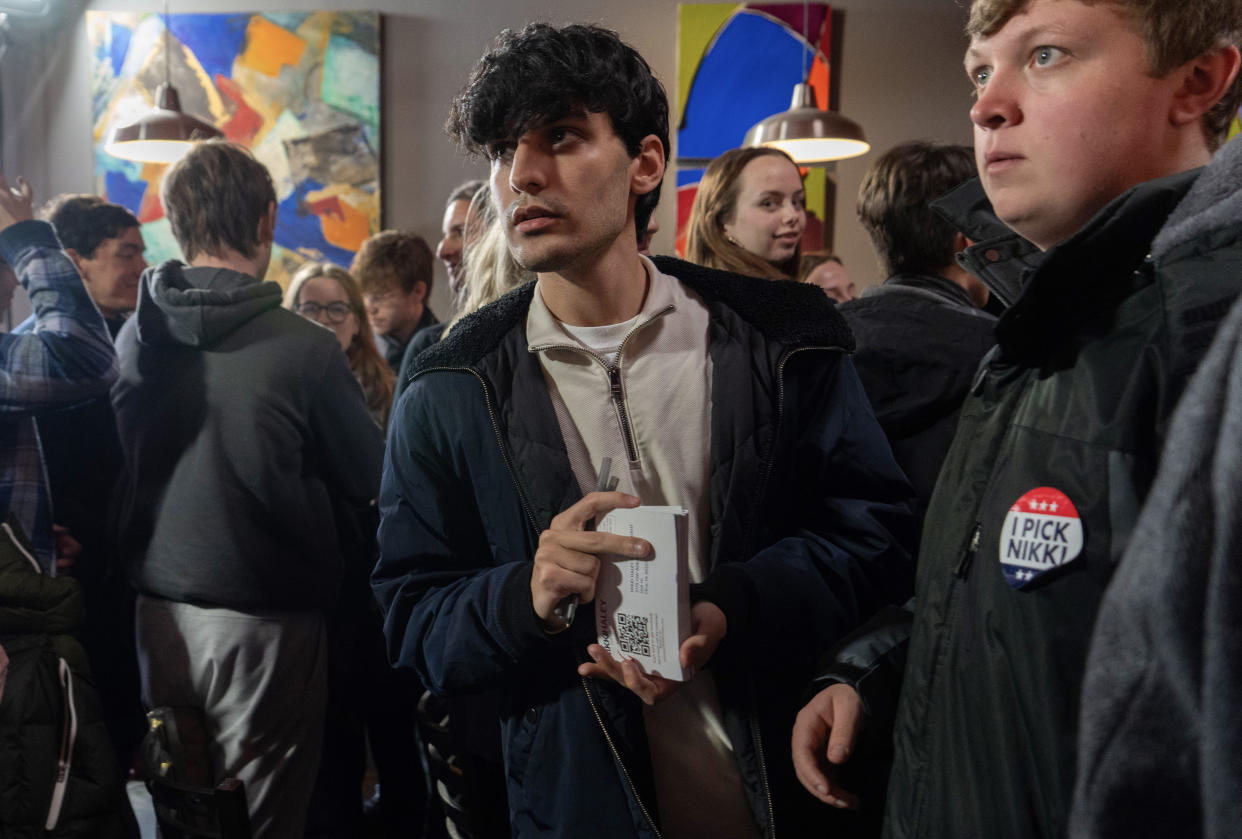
x=785 y=312
x=949 y=292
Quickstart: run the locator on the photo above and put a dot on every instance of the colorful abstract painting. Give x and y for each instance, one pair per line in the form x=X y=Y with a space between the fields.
x=736 y=65
x=301 y=90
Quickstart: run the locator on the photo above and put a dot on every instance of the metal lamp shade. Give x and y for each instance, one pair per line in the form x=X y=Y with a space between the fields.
x=808 y=134
x=162 y=136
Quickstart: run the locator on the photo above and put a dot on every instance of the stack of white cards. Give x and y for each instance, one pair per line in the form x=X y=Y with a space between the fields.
x=642 y=606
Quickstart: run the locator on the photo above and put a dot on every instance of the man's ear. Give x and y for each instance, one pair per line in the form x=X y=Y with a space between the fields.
x=1205 y=80
x=267 y=224
x=648 y=170
x=420 y=291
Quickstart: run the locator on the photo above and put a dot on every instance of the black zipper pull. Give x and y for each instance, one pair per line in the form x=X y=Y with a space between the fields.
x=963 y=565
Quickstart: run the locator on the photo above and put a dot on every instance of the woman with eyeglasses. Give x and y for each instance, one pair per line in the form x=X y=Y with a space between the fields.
x=364 y=693
x=328 y=295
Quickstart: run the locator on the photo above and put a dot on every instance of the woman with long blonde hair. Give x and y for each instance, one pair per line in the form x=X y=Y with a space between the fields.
x=749 y=215
x=328 y=295
x=489 y=269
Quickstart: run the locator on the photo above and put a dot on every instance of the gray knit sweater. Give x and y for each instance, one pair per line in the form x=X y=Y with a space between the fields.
x=1160 y=741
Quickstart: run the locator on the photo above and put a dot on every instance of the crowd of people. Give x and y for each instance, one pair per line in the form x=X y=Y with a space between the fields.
x=960 y=551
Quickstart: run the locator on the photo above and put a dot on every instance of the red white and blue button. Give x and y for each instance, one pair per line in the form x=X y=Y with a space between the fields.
x=1042 y=533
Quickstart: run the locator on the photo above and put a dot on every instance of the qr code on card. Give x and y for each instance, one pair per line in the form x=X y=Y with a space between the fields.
x=633 y=636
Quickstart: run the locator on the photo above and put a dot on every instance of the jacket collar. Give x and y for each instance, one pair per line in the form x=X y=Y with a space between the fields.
x=790 y=313
x=543 y=330
x=1092 y=272
x=999 y=257
x=930 y=285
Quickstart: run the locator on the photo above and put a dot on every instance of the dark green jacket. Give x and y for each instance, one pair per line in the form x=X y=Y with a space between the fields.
x=1069 y=413
x=58 y=776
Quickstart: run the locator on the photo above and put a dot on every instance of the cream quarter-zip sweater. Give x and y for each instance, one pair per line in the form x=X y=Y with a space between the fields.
x=641 y=394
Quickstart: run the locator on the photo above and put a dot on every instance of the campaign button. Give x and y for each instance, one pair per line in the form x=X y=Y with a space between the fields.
x=1042 y=532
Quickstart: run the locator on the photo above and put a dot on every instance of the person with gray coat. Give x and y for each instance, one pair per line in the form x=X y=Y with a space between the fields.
x=1160 y=736
x=245 y=437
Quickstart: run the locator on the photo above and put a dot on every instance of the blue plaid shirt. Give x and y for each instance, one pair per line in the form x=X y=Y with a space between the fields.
x=66 y=359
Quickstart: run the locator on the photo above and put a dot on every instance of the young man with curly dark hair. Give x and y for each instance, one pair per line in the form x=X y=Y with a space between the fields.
x=731 y=397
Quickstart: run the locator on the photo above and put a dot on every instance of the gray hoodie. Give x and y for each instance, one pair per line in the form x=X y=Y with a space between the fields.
x=244 y=436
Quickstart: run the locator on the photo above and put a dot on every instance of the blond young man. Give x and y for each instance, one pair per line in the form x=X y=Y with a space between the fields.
x=1091 y=120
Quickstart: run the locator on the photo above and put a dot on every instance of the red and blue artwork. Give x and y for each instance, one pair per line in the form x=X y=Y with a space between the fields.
x=300 y=90
x=737 y=64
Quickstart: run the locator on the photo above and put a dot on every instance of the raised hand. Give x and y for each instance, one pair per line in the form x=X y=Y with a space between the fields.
x=16 y=204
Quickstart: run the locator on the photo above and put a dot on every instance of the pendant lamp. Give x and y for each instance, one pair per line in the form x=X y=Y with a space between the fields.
x=166 y=133
x=805 y=132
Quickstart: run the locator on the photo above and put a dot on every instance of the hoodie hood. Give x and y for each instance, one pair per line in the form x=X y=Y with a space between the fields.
x=197 y=307
x=1213 y=204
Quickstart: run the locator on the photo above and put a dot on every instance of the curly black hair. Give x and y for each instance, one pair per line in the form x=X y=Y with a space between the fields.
x=543 y=73
x=83 y=221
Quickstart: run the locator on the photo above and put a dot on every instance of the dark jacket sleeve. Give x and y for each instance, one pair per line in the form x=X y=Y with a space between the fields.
x=845 y=529
x=453 y=577
x=872 y=660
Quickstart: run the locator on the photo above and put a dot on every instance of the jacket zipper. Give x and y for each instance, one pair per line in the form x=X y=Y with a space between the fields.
x=614 y=380
x=763 y=773
x=963 y=564
x=530 y=517
x=763 y=486
x=946 y=636
x=68 y=739
x=617 y=756
x=618 y=398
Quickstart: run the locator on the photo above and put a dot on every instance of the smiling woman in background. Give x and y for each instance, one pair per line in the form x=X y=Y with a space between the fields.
x=328 y=295
x=749 y=215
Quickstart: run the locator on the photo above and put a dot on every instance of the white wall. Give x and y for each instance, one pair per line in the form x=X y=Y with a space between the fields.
x=901 y=79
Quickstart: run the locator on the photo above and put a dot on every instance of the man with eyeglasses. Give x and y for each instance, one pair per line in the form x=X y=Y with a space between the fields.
x=394 y=271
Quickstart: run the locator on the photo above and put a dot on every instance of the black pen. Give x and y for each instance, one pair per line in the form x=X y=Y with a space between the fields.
x=568 y=607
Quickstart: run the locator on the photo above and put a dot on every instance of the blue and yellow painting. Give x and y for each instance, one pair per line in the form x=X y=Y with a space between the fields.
x=301 y=90
x=737 y=63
